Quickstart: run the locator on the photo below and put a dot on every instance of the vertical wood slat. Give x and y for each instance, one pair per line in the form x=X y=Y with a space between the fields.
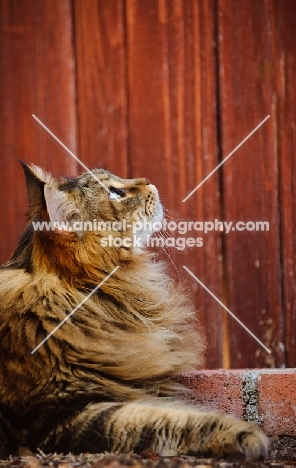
x=172 y=120
x=284 y=59
x=36 y=76
x=250 y=181
x=101 y=84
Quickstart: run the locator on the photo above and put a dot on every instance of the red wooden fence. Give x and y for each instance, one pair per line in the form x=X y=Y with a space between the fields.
x=167 y=89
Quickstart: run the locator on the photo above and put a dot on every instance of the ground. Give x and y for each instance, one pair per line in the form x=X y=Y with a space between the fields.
x=282 y=454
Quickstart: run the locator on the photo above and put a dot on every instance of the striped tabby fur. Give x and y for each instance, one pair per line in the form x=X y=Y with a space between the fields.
x=105 y=379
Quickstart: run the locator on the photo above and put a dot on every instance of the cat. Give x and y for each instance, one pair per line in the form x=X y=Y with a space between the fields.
x=105 y=380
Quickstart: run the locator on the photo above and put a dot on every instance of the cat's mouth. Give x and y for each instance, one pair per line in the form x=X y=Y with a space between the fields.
x=148 y=219
x=153 y=208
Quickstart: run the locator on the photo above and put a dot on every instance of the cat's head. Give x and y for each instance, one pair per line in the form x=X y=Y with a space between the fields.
x=95 y=215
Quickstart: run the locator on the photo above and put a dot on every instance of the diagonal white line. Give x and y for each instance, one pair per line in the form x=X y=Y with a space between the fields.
x=227 y=310
x=74 y=310
x=225 y=159
x=72 y=154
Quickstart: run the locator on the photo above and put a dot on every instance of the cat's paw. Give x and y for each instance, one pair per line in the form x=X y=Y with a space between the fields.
x=252 y=442
x=223 y=435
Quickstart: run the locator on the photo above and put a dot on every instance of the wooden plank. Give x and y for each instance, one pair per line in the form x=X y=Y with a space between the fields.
x=172 y=117
x=37 y=76
x=250 y=181
x=101 y=84
x=284 y=59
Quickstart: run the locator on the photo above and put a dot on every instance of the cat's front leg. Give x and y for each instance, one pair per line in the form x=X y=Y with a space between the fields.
x=168 y=428
x=176 y=428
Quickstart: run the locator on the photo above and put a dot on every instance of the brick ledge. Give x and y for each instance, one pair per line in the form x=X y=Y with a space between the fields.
x=266 y=397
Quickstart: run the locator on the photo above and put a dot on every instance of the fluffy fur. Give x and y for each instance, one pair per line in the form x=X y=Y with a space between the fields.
x=105 y=379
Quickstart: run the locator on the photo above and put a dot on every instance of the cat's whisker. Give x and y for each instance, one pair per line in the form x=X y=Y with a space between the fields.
x=173 y=263
x=167 y=234
x=166 y=251
x=164 y=235
x=166 y=210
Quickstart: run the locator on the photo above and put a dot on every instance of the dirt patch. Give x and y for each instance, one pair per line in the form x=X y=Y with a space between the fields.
x=282 y=453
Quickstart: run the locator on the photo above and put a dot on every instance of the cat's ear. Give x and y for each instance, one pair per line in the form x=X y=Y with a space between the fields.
x=35 y=179
x=47 y=201
x=62 y=212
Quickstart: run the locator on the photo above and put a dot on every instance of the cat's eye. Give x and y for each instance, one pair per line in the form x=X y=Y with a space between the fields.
x=116 y=193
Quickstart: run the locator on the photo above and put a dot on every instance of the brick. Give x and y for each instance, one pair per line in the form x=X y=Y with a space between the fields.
x=220 y=390
x=277 y=401
x=263 y=396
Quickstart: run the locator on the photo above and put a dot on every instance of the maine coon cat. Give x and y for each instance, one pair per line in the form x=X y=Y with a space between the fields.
x=105 y=379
